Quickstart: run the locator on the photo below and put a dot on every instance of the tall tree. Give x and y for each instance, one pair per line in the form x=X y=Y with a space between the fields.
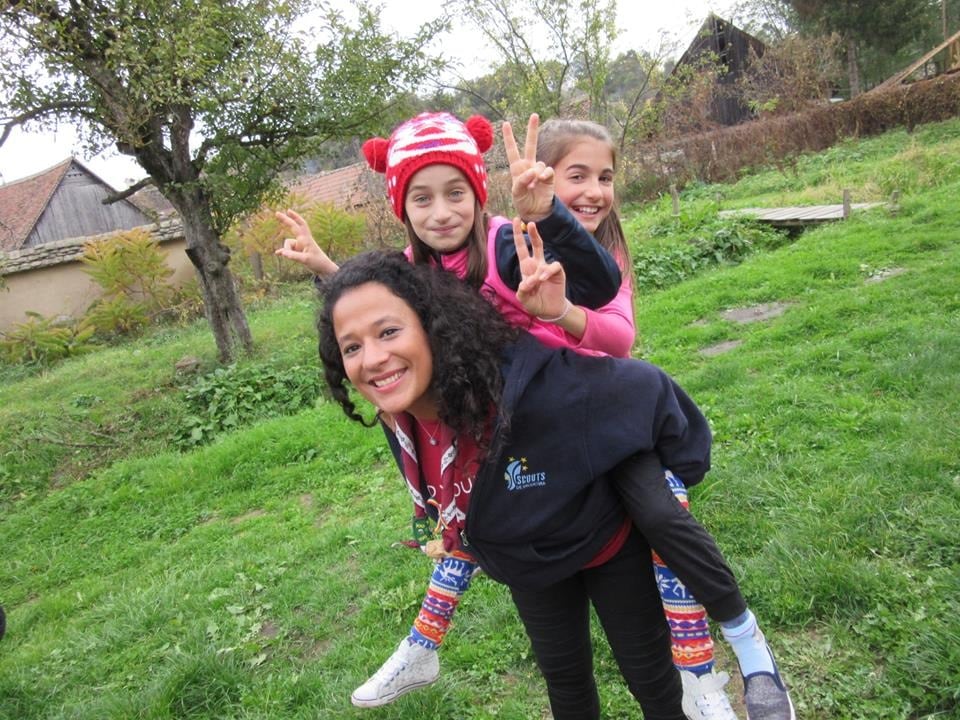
x=549 y=50
x=634 y=80
x=212 y=97
x=769 y=20
x=863 y=24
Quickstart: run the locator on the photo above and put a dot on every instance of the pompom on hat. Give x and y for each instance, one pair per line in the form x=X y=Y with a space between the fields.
x=431 y=139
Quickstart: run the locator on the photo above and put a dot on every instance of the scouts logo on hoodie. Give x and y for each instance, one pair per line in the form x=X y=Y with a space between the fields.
x=519 y=477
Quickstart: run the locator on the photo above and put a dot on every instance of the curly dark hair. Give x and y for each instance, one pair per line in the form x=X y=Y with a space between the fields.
x=467 y=337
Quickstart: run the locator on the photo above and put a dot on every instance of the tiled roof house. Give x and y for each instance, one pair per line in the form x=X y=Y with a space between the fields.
x=61 y=202
x=346 y=188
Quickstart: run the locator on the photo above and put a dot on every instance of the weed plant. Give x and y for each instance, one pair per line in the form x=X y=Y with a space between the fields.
x=257 y=576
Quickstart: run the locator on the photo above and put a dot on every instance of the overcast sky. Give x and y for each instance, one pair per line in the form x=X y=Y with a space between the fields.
x=641 y=25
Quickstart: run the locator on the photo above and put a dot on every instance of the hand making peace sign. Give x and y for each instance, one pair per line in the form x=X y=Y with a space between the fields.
x=532 y=181
x=543 y=285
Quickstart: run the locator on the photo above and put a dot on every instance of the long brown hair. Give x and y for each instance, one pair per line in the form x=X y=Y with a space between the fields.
x=476 y=247
x=556 y=139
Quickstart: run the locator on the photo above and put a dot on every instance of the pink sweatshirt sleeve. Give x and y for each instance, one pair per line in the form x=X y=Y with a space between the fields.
x=611 y=328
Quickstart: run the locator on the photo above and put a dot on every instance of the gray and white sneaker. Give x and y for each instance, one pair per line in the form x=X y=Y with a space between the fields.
x=411 y=666
x=766 y=696
x=704 y=697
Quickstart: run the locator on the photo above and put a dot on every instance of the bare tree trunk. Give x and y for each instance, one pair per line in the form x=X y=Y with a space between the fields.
x=853 y=67
x=178 y=180
x=256 y=262
x=221 y=301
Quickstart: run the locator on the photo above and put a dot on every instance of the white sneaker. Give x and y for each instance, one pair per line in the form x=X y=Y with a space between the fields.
x=411 y=666
x=704 y=697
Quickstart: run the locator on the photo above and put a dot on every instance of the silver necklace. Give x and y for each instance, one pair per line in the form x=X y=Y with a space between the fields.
x=433 y=441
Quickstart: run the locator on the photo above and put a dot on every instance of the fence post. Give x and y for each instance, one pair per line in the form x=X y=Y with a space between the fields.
x=676 y=199
x=846 y=203
x=256 y=262
x=894 y=204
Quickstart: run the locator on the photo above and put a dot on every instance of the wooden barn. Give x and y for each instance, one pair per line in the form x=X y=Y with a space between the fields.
x=64 y=201
x=45 y=221
x=731 y=47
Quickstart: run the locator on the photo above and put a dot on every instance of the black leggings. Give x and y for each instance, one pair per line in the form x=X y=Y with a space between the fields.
x=623 y=591
x=682 y=543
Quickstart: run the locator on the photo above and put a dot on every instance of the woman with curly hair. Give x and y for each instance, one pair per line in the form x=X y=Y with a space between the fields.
x=436 y=184
x=514 y=485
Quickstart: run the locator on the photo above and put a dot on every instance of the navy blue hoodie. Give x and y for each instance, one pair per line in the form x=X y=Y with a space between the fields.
x=542 y=505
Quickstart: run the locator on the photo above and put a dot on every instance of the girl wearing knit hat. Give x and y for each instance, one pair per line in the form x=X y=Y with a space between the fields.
x=436 y=184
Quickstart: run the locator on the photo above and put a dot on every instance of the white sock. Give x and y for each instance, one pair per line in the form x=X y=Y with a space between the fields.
x=750 y=646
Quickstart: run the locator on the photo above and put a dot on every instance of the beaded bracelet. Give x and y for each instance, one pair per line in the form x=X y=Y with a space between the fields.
x=566 y=310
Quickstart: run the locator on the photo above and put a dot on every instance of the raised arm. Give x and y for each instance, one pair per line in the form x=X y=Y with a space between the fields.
x=302 y=248
x=532 y=181
x=592 y=274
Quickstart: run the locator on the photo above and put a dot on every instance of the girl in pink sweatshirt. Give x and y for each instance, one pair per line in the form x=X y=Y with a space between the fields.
x=436 y=183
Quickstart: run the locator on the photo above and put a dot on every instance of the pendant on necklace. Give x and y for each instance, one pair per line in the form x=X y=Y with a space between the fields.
x=434 y=441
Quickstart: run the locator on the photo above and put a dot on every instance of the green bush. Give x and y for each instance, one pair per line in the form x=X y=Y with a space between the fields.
x=134 y=276
x=232 y=396
x=339 y=232
x=41 y=340
x=657 y=266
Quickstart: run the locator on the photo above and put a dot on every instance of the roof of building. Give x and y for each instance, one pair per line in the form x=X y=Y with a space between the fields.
x=346 y=187
x=716 y=35
x=151 y=201
x=23 y=201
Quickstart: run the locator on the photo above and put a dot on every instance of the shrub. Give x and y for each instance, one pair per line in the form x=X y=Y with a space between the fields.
x=232 y=396
x=42 y=340
x=793 y=75
x=130 y=268
x=658 y=266
x=339 y=232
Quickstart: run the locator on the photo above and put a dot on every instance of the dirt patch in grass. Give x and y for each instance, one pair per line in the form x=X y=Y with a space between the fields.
x=755 y=313
x=885 y=274
x=269 y=629
x=720 y=348
x=248 y=515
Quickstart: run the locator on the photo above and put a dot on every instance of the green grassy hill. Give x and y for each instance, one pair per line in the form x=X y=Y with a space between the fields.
x=256 y=577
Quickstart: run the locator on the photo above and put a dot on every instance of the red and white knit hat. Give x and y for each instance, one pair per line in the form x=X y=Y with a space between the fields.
x=431 y=139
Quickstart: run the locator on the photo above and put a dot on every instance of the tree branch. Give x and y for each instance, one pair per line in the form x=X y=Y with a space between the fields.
x=36 y=113
x=124 y=194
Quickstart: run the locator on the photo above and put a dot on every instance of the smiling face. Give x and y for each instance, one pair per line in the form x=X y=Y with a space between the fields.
x=385 y=350
x=584 y=181
x=440 y=205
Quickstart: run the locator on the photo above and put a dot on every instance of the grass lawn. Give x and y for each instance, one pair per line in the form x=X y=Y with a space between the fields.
x=255 y=575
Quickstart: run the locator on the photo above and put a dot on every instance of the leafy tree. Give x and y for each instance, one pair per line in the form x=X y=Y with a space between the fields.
x=212 y=97
x=552 y=51
x=882 y=27
x=772 y=21
x=632 y=83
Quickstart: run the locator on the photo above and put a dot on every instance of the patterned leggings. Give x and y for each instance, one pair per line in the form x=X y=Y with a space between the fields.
x=690 y=638
x=659 y=511
x=448 y=582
